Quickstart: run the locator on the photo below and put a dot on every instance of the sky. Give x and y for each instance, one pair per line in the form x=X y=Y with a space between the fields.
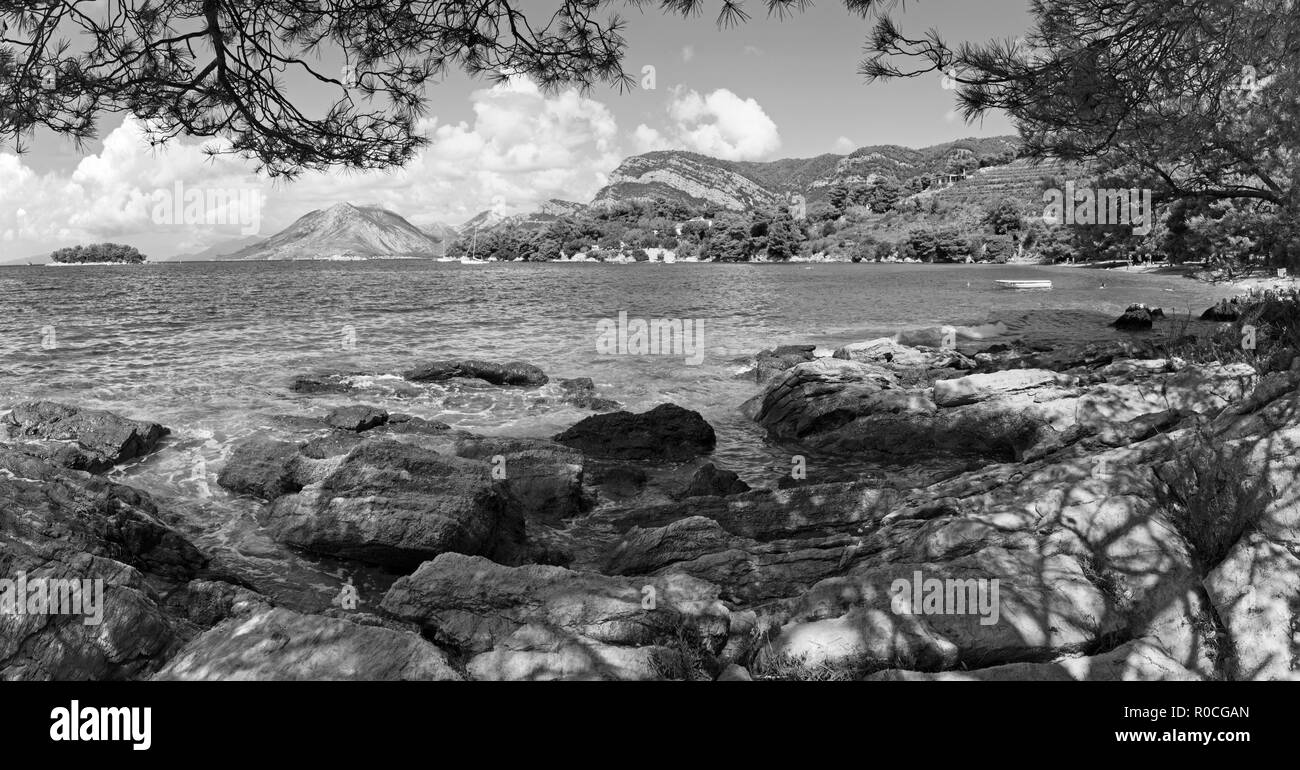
x=770 y=88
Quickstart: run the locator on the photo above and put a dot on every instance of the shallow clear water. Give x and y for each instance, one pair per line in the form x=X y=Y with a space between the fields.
x=209 y=348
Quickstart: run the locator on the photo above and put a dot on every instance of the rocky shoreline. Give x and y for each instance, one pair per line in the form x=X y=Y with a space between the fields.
x=1129 y=503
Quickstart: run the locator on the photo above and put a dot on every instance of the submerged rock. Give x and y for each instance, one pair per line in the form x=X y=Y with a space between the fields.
x=510 y=373
x=581 y=392
x=356 y=418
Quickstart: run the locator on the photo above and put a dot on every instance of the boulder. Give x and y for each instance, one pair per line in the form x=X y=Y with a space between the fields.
x=747 y=571
x=770 y=362
x=540 y=479
x=538 y=621
x=83 y=439
x=847 y=406
x=1223 y=311
x=395 y=504
x=981 y=387
x=1137 y=318
x=885 y=351
x=1254 y=593
x=277 y=644
x=667 y=432
x=356 y=418
x=68 y=525
x=57 y=510
x=709 y=480
x=510 y=373
x=1014 y=606
x=261 y=467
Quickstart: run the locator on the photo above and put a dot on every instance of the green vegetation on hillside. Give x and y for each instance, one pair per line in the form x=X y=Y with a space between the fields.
x=97 y=252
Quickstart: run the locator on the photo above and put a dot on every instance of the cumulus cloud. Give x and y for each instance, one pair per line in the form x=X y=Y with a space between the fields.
x=521 y=148
x=688 y=53
x=844 y=145
x=719 y=123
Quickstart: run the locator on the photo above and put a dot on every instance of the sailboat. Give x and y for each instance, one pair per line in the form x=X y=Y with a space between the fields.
x=470 y=260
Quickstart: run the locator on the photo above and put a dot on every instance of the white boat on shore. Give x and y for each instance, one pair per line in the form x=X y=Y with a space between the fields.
x=471 y=261
x=1024 y=284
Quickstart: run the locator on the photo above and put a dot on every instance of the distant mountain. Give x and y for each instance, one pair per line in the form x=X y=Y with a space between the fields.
x=435 y=228
x=698 y=179
x=344 y=230
x=547 y=212
x=35 y=259
x=483 y=221
x=217 y=251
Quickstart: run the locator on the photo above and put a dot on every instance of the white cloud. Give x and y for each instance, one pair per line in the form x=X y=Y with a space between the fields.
x=688 y=53
x=521 y=147
x=844 y=145
x=719 y=123
x=752 y=50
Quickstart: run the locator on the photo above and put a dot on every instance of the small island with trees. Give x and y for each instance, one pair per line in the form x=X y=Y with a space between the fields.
x=98 y=254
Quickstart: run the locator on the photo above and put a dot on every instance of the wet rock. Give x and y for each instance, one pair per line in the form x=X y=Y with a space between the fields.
x=82 y=439
x=510 y=373
x=1225 y=310
x=770 y=362
x=667 y=432
x=206 y=603
x=1137 y=318
x=356 y=418
x=354 y=382
x=581 y=392
x=405 y=423
x=277 y=644
x=536 y=622
x=56 y=510
x=322 y=383
x=395 y=504
x=261 y=467
x=708 y=480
